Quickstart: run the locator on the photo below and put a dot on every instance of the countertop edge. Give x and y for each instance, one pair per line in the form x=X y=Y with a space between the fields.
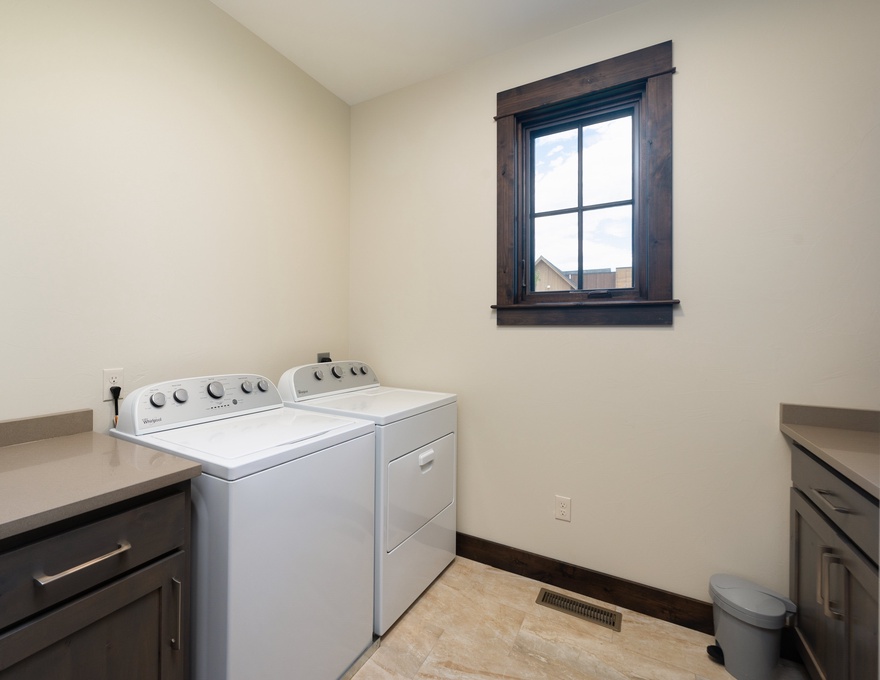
x=63 y=512
x=829 y=434
x=102 y=457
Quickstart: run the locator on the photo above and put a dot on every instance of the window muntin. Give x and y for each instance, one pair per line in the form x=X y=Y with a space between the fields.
x=582 y=198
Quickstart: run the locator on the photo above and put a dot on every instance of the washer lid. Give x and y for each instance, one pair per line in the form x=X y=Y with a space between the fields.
x=247 y=435
x=237 y=447
x=750 y=602
x=382 y=405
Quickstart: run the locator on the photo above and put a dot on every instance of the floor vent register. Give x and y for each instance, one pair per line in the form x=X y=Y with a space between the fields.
x=582 y=610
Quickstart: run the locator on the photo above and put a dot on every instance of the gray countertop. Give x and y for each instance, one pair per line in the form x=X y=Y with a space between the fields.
x=48 y=480
x=848 y=440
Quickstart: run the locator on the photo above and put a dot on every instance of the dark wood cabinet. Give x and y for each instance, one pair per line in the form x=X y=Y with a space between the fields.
x=834 y=577
x=105 y=600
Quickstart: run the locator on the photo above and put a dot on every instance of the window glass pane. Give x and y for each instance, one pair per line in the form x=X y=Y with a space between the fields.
x=555 y=170
x=556 y=252
x=608 y=171
x=608 y=248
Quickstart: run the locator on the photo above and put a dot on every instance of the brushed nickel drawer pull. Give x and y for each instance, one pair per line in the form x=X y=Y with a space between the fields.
x=820 y=581
x=178 y=588
x=44 y=579
x=829 y=558
x=823 y=493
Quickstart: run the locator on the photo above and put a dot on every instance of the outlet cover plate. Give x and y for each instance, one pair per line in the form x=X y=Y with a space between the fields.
x=113 y=376
x=563 y=508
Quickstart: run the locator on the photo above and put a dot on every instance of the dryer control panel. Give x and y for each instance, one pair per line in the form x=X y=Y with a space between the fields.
x=188 y=401
x=320 y=380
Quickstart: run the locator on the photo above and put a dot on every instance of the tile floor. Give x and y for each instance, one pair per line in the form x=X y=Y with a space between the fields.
x=477 y=622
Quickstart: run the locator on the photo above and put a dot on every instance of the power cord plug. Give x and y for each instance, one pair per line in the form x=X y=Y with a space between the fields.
x=115 y=390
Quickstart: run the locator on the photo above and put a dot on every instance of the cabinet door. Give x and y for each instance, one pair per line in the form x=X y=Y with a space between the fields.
x=811 y=538
x=861 y=618
x=835 y=589
x=127 y=629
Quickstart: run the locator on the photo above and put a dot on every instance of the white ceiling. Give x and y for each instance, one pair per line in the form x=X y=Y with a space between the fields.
x=360 y=49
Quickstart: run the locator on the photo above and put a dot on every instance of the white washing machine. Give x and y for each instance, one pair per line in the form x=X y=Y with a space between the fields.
x=415 y=472
x=282 y=525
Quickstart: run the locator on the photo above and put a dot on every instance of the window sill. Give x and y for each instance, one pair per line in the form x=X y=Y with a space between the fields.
x=588 y=313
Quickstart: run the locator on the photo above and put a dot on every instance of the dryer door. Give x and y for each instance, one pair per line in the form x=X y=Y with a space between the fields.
x=420 y=485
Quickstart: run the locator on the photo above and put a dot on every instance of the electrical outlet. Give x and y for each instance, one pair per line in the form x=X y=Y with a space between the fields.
x=563 y=508
x=113 y=377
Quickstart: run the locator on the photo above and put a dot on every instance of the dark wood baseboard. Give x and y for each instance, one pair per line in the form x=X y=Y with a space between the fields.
x=660 y=604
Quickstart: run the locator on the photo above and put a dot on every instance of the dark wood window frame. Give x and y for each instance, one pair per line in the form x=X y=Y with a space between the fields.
x=646 y=74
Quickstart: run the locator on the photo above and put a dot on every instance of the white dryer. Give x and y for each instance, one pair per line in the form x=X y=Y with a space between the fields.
x=415 y=472
x=282 y=525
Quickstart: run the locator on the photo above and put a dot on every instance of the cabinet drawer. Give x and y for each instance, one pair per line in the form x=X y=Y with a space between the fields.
x=41 y=574
x=855 y=513
x=130 y=628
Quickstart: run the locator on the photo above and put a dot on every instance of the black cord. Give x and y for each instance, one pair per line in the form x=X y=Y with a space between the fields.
x=115 y=391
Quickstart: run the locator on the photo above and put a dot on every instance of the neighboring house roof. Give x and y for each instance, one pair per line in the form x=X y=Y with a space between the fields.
x=556 y=278
x=549 y=277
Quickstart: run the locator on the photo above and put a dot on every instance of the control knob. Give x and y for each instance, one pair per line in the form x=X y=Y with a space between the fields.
x=247 y=387
x=215 y=389
x=263 y=385
x=181 y=395
x=336 y=371
x=319 y=374
x=157 y=400
x=364 y=370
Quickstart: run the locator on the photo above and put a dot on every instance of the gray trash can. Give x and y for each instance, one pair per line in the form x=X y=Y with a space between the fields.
x=748 y=622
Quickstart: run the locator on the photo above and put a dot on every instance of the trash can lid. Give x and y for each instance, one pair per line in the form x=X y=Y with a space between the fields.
x=750 y=602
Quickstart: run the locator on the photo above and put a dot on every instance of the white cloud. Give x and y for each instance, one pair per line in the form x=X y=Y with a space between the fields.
x=607 y=166
x=607 y=177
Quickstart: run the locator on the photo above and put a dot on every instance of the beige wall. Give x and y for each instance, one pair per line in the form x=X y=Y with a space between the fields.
x=170 y=190
x=676 y=467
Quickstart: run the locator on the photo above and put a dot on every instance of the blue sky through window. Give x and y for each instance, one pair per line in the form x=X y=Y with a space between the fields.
x=607 y=178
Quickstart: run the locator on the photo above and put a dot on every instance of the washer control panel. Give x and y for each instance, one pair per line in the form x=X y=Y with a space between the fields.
x=178 y=403
x=319 y=380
